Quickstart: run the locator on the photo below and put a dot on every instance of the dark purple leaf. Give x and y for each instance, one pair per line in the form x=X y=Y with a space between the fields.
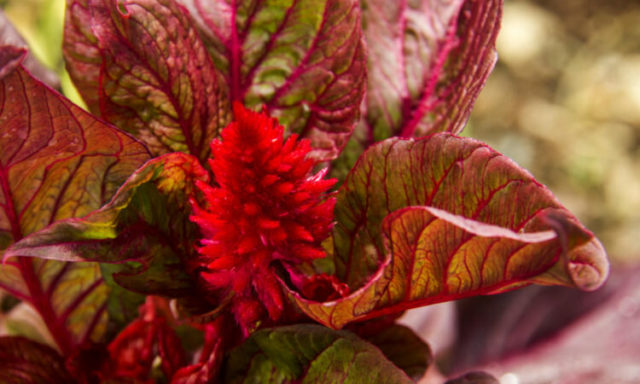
x=600 y=346
x=23 y=361
x=490 y=328
x=56 y=161
x=420 y=222
x=474 y=378
x=303 y=59
x=142 y=66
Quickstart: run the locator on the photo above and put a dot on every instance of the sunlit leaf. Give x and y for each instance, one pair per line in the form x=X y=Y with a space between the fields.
x=56 y=161
x=145 y=229
x=420 y=222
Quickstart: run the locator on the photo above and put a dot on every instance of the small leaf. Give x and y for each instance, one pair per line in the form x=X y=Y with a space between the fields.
x=23 y=361
x=145 y=229
x=420 y=222
x=303 y=59
x=306 y=353
x=474 y=378
x=427 y=63
x=56 y=161
x=10 y=36
x=141 y=66
x=403 y=348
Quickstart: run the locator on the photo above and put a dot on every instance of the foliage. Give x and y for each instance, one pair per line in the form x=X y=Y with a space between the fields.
x=231 y=260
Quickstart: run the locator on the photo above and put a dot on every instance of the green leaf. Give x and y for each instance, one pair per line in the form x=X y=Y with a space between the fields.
x=23 y=361
x=303 y=59
x=141 y=66
x=56 y=162
x=404 y=349
x=145 y=229
x=306 y=353
x=425 y=221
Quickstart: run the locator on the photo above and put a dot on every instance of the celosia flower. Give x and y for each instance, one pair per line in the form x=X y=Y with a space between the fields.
x=267 y=205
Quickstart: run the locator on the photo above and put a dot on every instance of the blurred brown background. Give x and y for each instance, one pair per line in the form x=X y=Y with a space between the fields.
x=564 y=102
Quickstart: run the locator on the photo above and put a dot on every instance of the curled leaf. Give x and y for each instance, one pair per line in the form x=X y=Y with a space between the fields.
x=441 y=218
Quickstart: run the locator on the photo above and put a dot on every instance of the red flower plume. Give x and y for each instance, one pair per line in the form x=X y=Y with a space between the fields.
x=266 y=206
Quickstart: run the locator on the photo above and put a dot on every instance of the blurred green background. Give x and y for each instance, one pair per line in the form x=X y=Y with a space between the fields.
x=563 y=102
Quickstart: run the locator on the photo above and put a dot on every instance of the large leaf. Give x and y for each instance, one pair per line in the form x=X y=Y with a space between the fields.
x=420 y=222
x=309 y=354
x=56 y=161
x=303 y=59
x=23 y=361
x=145 y=229
x=141 y=65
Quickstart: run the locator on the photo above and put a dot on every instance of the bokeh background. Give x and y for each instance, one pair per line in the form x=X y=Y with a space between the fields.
x=563 y=102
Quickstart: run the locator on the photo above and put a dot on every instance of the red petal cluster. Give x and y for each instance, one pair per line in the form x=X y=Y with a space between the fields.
x=267 y=205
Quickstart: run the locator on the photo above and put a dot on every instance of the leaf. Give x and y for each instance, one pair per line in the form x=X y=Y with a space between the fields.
x=141 y=66
x=10 y=36
x=23 y=361
x=303 y=59
x=145 y=229
x=306 y=353
x=474 y=378
x=491 y=328
x=403 y=348
x=437 y=219
x=56 y=161
x=427 y=63
x=607 y=338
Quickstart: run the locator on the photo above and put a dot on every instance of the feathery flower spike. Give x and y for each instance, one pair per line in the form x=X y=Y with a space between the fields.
x=266 y=206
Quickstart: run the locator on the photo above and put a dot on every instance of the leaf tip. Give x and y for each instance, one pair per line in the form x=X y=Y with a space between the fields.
x=10 y=57
x=588 y=266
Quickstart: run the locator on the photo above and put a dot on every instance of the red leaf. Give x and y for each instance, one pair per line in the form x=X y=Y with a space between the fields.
x=56 y=161
x=23 y=361
x=140 y=65
x=420 y=222
x=303 y=59
x=10 y=36
x=427 y=63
